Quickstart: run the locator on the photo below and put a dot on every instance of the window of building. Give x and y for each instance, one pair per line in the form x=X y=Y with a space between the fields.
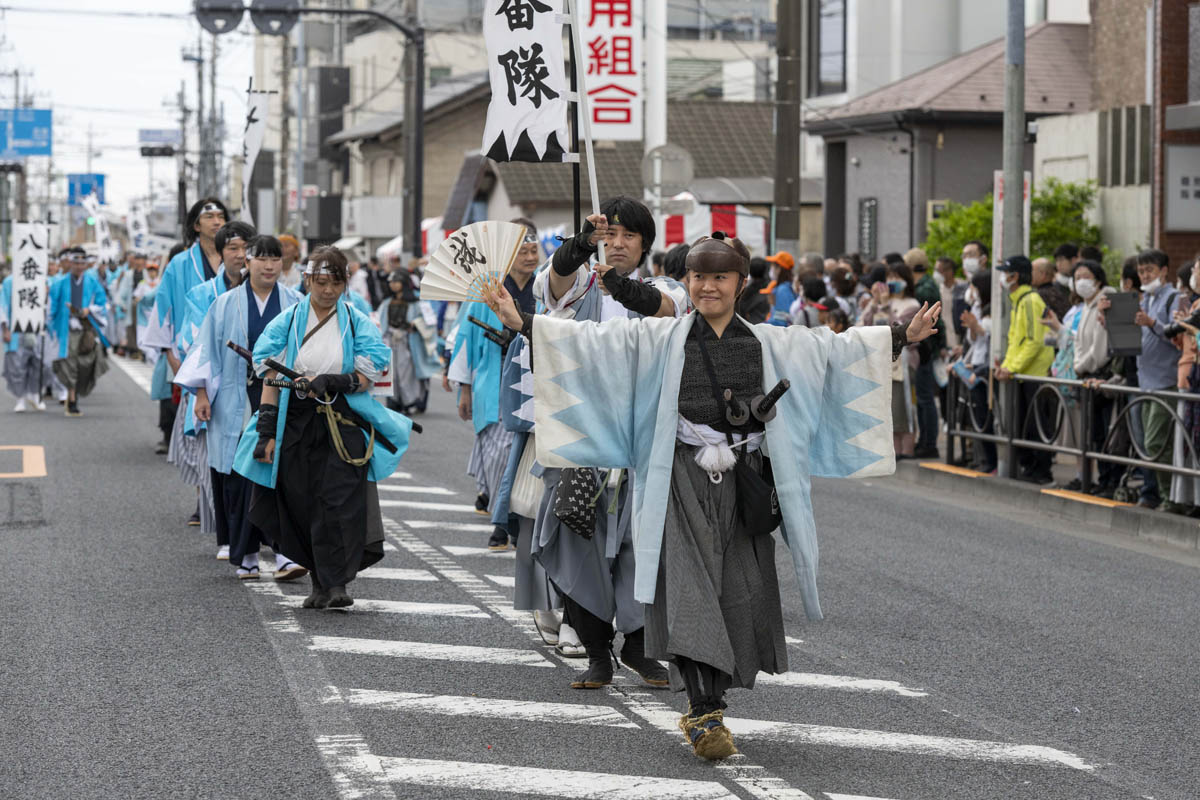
x=438 y=74
x=828 y=51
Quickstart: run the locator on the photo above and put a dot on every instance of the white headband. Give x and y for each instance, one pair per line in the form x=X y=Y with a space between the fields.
x=317 y=268
x=212 y=208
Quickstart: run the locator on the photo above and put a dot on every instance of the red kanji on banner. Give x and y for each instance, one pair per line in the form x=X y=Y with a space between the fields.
x=611 y=57
x=612 y=104
x=612 y=9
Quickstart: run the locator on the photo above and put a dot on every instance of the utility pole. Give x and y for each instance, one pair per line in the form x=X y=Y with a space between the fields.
x=788 y=95
x=284 y=132
x=181 y=179
x=301 y=64
x=89 y=148
x=202 y=135
x=214 y=138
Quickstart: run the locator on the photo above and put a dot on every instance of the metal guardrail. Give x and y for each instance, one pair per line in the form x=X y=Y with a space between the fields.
x=1058 y=396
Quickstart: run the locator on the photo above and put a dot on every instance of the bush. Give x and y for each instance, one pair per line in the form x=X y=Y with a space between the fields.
x=1058 y=211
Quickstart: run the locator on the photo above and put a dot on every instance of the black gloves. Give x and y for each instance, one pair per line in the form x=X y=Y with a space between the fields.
x=899 y=339
x=340 y=383
x=268 y=415
x=640 y=298
x=574 y=252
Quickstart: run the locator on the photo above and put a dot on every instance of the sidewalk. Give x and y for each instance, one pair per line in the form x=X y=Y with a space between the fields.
x=1120 y=518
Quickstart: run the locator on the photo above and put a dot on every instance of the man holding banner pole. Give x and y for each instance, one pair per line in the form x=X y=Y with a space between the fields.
x=77 y=313
x=23 y=297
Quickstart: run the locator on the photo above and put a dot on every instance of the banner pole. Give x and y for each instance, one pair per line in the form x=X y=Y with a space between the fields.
x=585 y=115
x=574 y=111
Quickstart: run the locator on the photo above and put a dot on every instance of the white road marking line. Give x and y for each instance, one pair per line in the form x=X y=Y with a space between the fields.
x=388 y=547
x=429 y=490
x=466 y=527
x=760 y=783
x=399 y=476
x=141 y=377
x=397 y=574
x=851 y=797
x=793 y=640
x=488 y=707
x=808 y=680
x=664 y=717
x=469 y=776
x=356 y=773
x=429 y=651
x=418 y=609
x=507 y=581
x=459 y=550
x=457 y=507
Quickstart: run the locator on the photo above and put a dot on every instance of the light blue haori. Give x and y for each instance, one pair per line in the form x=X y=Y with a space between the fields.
x=359 y=302
x=222 y=373
x=482 y=360
x=199 y=299
x=184 y=272
x=362 y=350
x=834 y=422
x=94 y=300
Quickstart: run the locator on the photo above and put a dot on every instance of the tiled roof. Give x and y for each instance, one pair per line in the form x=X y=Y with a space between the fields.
x=1057 y=81
x=729 y=140
x=454 y=88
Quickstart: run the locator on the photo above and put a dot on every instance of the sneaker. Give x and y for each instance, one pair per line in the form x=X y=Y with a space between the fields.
x=39 y=403
x=161 y=449
x=19 y=408
x=499 y=539
x=73 y=410
x=1170 y=507
x=481 y=503
x=223 y=553
x=925 y=452
x=194 y=522
x=547 y=624
x=1074 y=485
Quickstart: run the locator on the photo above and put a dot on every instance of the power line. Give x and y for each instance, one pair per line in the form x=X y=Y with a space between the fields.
x=79 y=12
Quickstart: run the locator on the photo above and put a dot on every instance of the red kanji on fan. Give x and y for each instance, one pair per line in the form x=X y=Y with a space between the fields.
x=612 y=104
x=611 y=57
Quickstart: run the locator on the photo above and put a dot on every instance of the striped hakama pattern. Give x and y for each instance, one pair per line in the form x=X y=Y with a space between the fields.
x=489 y=458
x=190 y=455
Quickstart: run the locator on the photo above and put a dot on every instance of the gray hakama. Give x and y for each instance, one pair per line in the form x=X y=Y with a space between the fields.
x=190 y=455
x=596 y=573
x=717 y=599
x=24 y=373
x=81 y=370
x=532 y=590
x=406 y=387
x=489 y=458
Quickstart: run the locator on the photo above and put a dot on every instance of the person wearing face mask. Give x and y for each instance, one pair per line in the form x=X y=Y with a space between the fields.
x=974 y=257
x=953 y=291
x=1066 y=256
x=1027 y=354
x=976 y=320
x=1092 y=362
x=1158 y=365
x=1056 y=296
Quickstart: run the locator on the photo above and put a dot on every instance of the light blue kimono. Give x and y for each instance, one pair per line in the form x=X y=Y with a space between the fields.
x=359 y=302
x=184 y=272
x=482 y=357
x=94 y=300
x=221 y=372
x=198 y=301
x=607 y=395
x=5 y=312
x=362 y=348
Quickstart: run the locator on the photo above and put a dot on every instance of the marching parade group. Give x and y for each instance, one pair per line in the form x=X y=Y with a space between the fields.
x=638 y=439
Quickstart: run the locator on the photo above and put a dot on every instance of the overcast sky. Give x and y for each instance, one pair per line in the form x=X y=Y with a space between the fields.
x=116 y=73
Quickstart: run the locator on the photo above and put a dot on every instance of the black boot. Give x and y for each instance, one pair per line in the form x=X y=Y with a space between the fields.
x=319 y=598
x=599 y=672
x=633 y=655
x=338 y=598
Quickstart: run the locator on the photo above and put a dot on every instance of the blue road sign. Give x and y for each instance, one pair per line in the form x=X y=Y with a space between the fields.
x=26 y=132
x=81 y=184
x=169 y=136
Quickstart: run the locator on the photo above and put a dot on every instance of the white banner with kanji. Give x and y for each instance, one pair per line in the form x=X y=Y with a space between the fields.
x=138 y=225
x=29 y=288
x=108 y=251
x=736 y=221
x=612 y=45
x=252 y=139
x=527 y=116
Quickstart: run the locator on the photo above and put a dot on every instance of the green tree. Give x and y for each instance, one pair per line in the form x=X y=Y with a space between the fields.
x=1058 y=211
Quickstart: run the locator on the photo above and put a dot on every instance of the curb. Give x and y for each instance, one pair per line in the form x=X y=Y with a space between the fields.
x=1119 y=518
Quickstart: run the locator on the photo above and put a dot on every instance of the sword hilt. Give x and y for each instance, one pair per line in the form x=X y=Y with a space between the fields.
x=736 y=412
x=763 y=406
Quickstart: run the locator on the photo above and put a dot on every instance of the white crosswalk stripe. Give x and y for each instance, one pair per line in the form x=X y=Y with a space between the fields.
x=397 y=574
x=422 y=506
x=471 y=552
x=806 y=680
x=468 y=776
x=418 y=609
x=431 y=491
x=507 y=581
x=489 y=708
x=429 y=651
x=438 y=525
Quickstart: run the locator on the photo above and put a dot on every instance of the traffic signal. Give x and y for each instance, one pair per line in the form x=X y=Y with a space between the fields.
x=158 y=150
x=91 y=220
x=273 y=17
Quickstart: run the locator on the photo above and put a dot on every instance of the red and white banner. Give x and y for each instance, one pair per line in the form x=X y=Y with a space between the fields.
x=612 y=44
x=432 y=234
x=736 y=221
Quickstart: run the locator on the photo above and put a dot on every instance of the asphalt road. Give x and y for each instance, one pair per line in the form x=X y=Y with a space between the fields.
x=970 y=650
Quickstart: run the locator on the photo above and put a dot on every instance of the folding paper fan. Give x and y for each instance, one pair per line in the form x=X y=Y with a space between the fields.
x=472 y=260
